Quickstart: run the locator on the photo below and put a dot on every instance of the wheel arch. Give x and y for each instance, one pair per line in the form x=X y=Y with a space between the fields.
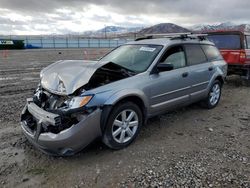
x=135 y=98
x=220 y=78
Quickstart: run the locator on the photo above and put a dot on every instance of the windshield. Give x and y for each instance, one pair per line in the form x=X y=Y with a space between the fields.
x=136 y=58
x=226 y=41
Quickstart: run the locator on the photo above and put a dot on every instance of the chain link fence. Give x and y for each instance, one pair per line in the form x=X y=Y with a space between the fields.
x=32 y=42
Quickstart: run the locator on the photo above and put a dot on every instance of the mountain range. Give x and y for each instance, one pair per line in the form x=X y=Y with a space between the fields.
x=221 y=26
x=113 y=30
x=167 y=28
x=164 y=28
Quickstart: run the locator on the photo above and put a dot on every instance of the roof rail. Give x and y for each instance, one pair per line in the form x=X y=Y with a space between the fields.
x=167 y=35
x=191 y=36
x=144 y=38
x=174 y=36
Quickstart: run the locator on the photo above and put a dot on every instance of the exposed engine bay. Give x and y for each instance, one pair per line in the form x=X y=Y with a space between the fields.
x=61 y=104
x=107 y=74
x=104 y=75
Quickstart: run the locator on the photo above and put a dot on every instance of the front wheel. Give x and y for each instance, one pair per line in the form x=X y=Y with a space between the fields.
x=214 y=95
x=123 y=125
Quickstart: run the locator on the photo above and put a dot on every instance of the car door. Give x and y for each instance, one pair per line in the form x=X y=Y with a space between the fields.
x=200 y=70
x=170 y=88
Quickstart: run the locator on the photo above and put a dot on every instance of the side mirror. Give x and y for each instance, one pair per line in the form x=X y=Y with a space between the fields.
x=161 y=67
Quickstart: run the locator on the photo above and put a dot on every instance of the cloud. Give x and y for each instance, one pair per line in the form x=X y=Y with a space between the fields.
x=61 y=16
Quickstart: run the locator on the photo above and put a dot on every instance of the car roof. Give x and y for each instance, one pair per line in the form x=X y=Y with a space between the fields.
x=170 y=41
x=221 y=32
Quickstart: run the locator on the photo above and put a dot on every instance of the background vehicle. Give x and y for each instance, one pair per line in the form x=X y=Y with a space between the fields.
x=78 y=101
x=235 y=49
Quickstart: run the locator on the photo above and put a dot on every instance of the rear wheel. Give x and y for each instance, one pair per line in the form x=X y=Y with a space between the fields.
x=214 y=95
x=123 y=125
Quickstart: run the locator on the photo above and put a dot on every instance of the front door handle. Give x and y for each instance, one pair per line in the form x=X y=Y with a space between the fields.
x=210 y=68
x=185 y=74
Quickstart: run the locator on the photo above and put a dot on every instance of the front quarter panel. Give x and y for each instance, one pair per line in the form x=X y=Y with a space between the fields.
x=127 y=93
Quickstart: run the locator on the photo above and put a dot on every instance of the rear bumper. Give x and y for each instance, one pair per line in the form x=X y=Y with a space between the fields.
x=66 y=142
x=239 y=69
x=239 y=66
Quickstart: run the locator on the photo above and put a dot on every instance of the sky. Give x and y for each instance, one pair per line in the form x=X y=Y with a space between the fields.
x=33 y=17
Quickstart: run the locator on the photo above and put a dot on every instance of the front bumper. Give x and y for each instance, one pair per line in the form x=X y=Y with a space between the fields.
x=66 y=142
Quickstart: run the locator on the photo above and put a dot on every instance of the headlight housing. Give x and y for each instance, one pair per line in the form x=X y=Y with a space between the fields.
x=78 y=102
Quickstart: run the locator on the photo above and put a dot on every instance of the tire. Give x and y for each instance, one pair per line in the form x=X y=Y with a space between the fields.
x=123 y=125
x=214 y=95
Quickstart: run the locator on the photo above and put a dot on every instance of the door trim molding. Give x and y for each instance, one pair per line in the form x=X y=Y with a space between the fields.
x=171 y=92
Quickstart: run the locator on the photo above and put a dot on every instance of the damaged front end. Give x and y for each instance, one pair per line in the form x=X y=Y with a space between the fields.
x=60 y=125
x=68 y=110
x=58 y=119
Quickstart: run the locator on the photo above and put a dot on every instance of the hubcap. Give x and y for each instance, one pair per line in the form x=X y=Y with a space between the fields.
x=125 y=126
x=214 y=94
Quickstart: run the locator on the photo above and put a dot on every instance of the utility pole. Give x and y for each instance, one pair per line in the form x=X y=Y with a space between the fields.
x=105 y=31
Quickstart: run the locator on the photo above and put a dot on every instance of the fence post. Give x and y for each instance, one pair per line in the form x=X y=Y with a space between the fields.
x=88 y=43
x=26 y=39
x=54 y=43
x=67 y=42
x=41 y=42
x=78 y=41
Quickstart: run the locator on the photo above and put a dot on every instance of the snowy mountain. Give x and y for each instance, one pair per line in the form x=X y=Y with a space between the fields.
x=164 y=28
x=117 y=29
x=221 y=26
x=112 y=30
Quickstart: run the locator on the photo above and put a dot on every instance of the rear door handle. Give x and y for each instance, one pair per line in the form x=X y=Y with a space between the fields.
x=210 y=68
x=185 y=74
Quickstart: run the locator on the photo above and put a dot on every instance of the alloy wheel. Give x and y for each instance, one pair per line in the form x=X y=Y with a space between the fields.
x=125 y=126
x=214 y=94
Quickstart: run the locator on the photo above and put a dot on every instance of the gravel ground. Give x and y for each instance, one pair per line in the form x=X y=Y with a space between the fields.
x=188 y=147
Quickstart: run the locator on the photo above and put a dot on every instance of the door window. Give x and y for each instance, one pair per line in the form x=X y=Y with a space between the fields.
x=248 y=41
x=195 y=54
x=212 y=52
x=174 y=56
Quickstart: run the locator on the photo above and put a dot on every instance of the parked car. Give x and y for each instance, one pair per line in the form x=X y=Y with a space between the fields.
x=79 y=101
x=235 y=48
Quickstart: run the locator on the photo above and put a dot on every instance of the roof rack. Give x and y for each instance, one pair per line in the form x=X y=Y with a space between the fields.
x=144 y=38
x=174 y=36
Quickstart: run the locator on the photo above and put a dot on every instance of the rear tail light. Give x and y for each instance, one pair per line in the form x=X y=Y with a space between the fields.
x=243 y=56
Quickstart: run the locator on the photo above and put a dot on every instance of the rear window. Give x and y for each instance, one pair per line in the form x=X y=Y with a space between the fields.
x=195 y=54
x=248 y=41
x=226 y=41
x=211 y=52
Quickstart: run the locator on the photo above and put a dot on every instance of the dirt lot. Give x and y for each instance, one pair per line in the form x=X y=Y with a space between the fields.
x=184 y=148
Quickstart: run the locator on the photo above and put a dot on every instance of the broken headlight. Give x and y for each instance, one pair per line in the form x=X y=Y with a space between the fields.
x=78 y=102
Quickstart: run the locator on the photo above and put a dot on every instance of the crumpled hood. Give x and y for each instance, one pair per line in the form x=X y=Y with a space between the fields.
x=65 y=77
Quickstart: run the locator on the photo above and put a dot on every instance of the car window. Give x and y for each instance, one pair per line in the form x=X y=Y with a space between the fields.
x=225 y=41
x=175 y=56
x=248 y=41
x=195 y=54
x=211 y=52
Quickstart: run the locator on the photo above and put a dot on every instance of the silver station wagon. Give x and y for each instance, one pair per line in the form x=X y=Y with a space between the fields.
x=77 y=102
